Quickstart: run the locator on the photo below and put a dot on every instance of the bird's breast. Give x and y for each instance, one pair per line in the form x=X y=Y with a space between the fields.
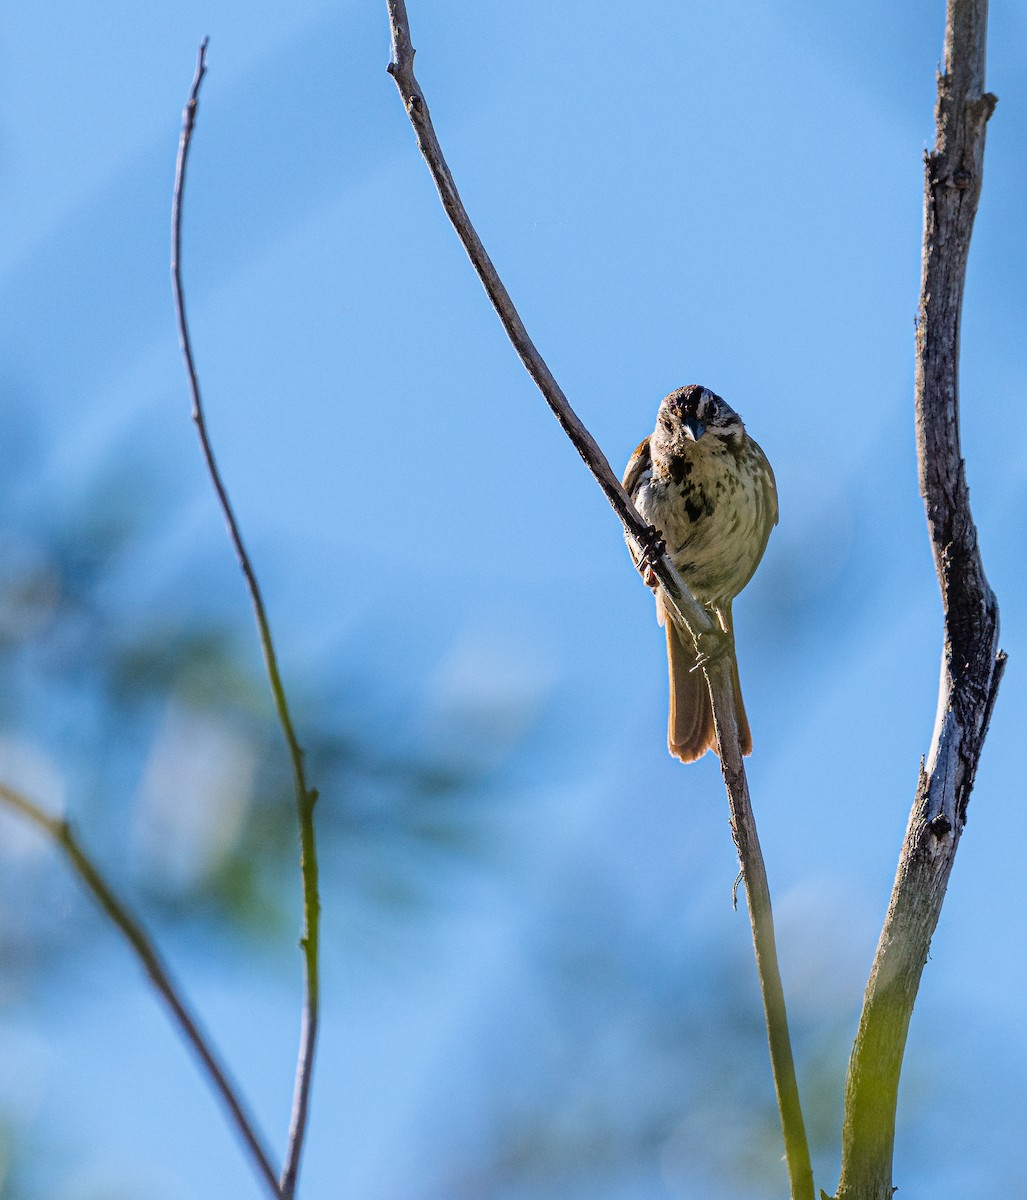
x=713 y=511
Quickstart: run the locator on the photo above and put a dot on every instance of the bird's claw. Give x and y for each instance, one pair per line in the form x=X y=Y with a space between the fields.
x=651 y=548
x=710 y=646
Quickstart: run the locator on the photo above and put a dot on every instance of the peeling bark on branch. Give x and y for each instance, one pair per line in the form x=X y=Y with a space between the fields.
x=972 y=664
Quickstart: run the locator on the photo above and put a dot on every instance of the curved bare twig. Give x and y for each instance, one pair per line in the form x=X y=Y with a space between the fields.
x=306 y=796
x=679 y=601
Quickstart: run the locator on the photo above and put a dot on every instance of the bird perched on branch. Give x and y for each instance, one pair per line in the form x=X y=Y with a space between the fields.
x=707 y=488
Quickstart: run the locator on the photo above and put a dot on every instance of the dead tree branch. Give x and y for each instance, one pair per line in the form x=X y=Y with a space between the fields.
x=972 y=663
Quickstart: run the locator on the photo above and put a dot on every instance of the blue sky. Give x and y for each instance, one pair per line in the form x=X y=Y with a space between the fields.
x=727 y=194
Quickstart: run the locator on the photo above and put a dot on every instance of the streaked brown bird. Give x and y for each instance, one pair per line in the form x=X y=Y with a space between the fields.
x=708 y=489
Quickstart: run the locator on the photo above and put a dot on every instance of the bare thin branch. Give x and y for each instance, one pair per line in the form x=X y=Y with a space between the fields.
x=972 y=663
x=142 y=945
x=679 y=601
x=306 y=796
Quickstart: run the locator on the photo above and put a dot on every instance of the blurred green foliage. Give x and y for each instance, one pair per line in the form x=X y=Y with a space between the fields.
x=144 y=711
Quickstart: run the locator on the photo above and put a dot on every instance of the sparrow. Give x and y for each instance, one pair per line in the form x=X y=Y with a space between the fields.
x=708 y=490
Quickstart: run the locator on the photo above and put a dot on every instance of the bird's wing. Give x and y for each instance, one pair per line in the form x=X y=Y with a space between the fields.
x=771 y=495
x=639 y=463
x=639 y=466
x=768 y=514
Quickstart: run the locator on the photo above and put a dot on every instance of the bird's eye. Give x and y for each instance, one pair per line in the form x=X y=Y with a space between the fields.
x=665 y=422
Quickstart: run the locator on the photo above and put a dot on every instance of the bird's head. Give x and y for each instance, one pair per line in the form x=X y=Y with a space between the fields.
x=692 y=412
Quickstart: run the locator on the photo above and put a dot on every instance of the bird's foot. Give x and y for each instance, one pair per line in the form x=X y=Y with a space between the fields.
x=651 y=548
x=710 y=646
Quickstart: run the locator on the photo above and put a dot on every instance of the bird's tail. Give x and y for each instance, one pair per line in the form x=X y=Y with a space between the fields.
x=690 y=730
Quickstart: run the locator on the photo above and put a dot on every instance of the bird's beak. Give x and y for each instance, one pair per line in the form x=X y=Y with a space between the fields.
x=693 y=427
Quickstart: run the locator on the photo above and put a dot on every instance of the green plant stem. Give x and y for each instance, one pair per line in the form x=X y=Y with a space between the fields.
x=306 y=796
x=142 y=945
x=761 y=921
x=683 y=607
